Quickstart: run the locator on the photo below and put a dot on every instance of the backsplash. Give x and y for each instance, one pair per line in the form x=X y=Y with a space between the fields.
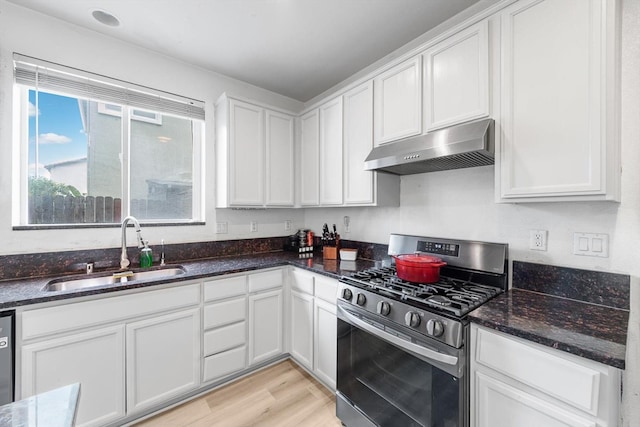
x=52 y=263
x=597 y=287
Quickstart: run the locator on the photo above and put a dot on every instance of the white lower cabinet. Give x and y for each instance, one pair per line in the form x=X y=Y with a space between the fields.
x=302 y=328
x=163 y=358
x=95 y=359
x=501 y=405
x=324 y=336
x=519 y=383
x=313 y=324
x=265 y=326
x=145 y=346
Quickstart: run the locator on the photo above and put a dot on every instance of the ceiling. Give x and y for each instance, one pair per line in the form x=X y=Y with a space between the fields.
x=297 y=48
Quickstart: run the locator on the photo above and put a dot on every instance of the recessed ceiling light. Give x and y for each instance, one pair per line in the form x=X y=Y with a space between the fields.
x=105 y=18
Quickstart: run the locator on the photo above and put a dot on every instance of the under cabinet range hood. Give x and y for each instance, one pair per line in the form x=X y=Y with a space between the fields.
x=462 y=146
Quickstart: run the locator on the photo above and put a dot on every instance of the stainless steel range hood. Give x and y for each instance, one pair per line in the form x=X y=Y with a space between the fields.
x=461 y=146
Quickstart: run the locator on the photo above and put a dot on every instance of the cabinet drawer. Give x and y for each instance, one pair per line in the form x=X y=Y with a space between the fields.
x=302 y=281
x=225 y=338
x=500 y=405
x=61 y=318
x=265 y=280
x=326 y=289
x=225 y=288
x=222 y=364
x=575 y=384
x=224 y=312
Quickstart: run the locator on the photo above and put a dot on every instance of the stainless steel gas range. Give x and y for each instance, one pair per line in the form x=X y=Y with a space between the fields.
x=403 y=347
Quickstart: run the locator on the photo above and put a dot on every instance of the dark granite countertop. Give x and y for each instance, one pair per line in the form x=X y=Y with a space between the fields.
x=55 y=408
x=588 y=330
x=550 y=318
x=20 y=292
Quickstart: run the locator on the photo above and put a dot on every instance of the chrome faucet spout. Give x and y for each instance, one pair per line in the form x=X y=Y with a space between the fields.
x=124 y=260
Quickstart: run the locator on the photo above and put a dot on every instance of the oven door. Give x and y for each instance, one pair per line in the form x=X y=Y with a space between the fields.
x=387 y=377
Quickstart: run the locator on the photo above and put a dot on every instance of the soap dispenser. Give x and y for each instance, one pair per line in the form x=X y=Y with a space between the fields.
x=146 y=256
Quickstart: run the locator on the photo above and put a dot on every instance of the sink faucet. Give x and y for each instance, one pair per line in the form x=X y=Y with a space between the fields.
x=124 y=261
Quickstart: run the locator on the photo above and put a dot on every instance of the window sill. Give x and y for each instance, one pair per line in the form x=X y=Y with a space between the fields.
x=114 y=225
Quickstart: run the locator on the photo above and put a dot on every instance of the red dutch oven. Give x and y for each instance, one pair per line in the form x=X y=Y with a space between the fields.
x=418 y=268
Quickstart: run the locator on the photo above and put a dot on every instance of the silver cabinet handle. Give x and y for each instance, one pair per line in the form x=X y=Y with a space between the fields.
x=426 y=352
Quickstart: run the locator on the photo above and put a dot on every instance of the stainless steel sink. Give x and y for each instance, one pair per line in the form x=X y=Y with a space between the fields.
x=67 y=284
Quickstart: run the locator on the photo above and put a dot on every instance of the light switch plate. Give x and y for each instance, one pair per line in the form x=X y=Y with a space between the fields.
x=591 y=244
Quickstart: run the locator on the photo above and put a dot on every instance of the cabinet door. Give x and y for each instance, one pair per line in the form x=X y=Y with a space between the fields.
x=325 y=346
x=163 y=358
x=309 y=159
x=302 y=328
x=246 y=154
x=331 y=153
x=279 y=159
x=398 y=101
x=94 y=359
x=457 y=78
x=558 y=89
x=358 y=143
x=501 y=405
x=265 y=326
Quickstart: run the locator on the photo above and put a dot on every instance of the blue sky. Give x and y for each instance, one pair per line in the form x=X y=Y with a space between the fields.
x=59 y=126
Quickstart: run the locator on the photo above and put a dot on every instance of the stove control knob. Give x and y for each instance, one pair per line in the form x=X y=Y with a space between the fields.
x=384 y=308
x=346 y=294
x=361 y=299
x=412 y=319
x=435 y=328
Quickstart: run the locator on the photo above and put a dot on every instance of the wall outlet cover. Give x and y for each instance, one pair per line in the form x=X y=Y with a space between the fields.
x=538 y=240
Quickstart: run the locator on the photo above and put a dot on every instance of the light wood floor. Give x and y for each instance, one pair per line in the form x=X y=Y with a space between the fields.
x=278 y=396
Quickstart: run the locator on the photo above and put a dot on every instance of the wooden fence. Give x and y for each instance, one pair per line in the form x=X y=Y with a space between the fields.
x=98 y=210
x=74 y=210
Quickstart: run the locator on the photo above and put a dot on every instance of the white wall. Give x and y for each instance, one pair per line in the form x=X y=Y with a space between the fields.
x=33 y=34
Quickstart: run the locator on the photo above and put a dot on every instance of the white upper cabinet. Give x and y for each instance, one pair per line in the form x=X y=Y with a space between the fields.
x=559 y=102
x=279 y=153
x=398 y=101
x=362 y=187
x=309 y=155
x=358 y=143
x=331 y=152
x=254 y=162
x=456 y=86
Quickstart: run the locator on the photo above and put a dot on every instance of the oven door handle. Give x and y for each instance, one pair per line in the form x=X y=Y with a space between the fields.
x=408 y=345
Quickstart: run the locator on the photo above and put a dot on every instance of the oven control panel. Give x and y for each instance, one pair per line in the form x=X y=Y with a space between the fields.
x=424 y=322
x=438 y=248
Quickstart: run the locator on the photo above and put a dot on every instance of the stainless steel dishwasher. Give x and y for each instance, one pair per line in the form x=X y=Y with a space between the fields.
x=7 y=354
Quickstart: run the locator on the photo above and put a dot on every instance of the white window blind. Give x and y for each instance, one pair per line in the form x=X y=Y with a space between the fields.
x=45 y=75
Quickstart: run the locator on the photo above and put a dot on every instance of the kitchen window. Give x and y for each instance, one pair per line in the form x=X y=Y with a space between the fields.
x=94 y=150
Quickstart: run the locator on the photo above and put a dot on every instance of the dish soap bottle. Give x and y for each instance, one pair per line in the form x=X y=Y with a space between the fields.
x=146 y=256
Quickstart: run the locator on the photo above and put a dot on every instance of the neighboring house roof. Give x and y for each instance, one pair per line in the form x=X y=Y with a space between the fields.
x=65 y=163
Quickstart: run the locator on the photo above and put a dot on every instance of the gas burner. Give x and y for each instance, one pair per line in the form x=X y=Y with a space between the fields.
x=454 y=296
x=439 y=300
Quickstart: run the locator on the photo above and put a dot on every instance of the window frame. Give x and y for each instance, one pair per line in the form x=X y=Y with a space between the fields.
x=20 y=174
x=156 y=120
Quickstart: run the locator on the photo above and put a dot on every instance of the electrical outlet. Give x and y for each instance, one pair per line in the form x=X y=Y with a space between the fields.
x=222 y=227
x=538 y=240
x=254 y=226
x=347 y=224
x=287 y=225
